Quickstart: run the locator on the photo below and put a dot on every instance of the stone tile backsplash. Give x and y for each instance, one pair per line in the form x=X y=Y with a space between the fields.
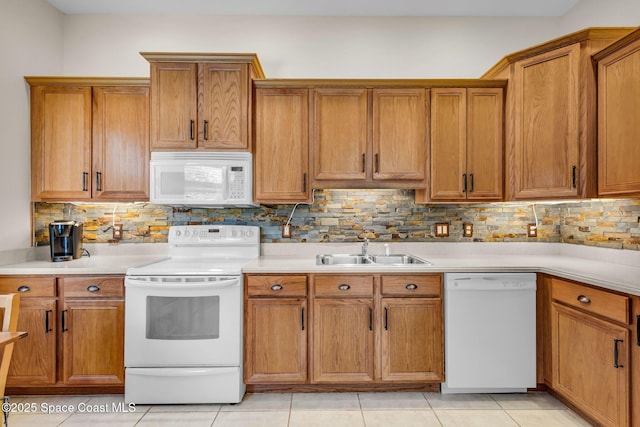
x=380 y=215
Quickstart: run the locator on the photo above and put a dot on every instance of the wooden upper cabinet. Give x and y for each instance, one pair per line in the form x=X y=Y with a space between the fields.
x=201 y=101
x=368 y=138
x=89 y=138
x=340 y=134
x=61 y=142
x=619 y=118
x=174 y=106
x=225 y=106
x=551 y=116
x=121 y=143
x=485 y=143
x=466 y=144
x=399 y=134
x=282 y=145
x=448 y=144
x=547 y=97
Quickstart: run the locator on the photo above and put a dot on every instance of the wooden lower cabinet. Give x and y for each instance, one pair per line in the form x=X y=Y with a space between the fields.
x=363 y=332
x=412 y=339
x=591 y=351
x=75 y=335
x=343 y=340
x=93 y=342
x=275 y=344
x=34 y=358
x=33 y=362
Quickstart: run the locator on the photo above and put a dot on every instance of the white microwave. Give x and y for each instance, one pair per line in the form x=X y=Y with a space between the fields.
x=201 y=178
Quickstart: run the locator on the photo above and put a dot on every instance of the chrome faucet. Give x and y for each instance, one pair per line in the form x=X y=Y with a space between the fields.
x=365 y=245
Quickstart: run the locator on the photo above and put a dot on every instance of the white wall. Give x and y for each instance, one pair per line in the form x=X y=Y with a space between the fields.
x=601 y=13
x=30 y=44
x=305 y=47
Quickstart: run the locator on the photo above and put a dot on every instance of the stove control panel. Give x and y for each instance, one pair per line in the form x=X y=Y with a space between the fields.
x=214 y=234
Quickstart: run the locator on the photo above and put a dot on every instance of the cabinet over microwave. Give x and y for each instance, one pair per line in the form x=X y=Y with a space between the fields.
x=204 y=179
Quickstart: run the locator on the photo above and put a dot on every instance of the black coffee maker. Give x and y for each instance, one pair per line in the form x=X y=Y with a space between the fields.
x=65 y=239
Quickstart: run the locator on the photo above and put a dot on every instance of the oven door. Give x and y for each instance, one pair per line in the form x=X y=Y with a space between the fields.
x=183 y=321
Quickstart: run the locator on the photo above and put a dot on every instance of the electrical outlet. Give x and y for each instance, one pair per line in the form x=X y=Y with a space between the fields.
x=467 y=230
x=117 y=231
x=286 y=231
x=532 y=230
x=442 y=229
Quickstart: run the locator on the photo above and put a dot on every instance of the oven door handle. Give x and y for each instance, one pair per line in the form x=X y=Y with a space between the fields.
x=180 y=372
x=144 y=283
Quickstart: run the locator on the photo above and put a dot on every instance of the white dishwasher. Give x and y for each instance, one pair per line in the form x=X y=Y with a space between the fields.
x=490 y=332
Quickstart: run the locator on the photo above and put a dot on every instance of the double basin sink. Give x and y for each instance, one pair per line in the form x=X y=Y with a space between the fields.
x=357 y=259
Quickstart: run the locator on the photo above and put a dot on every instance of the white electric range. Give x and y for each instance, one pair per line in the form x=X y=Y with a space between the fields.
x=183 y=318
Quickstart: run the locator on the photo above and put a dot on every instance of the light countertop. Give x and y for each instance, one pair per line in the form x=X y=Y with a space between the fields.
x=608 y=268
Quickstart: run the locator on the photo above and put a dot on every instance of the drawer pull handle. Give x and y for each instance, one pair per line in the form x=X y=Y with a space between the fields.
x=616 y=363
x=584 y=299
x=24 y=288
x=276 y=287
x=344 y=287
x=411 y=287
x=93 y=288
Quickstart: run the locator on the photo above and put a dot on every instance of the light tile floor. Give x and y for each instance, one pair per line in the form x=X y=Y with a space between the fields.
x=303 y=409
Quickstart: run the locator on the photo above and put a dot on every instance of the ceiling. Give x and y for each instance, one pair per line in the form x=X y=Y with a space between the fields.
x=321 y=7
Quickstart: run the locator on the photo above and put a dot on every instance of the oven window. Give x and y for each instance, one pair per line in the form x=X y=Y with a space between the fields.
x=183 y=318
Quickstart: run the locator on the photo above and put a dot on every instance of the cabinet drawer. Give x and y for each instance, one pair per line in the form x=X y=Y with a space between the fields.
x=85 y=287
x=412 y=285
x=277 y=286
x=29 y=286
x=612 y=306
x=344 y=286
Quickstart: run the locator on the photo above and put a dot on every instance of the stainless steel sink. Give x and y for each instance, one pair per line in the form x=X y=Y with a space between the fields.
x=342 y=259
x=398 y=259
x=355 y=259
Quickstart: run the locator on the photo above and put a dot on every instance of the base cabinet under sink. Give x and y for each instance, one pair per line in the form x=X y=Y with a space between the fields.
x=355 y=331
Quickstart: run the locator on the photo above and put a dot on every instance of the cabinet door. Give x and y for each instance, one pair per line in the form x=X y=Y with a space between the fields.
x=399 y=134
x=619 y=122
x=223 y=121
x=121 y=143
x=448 y=127
x=61 y=142
x=340 y=134
x=33 y=362
x=93 y=342
x=485 y=113
x=585 y=369
x=174 y=106
x=547 y=117
x=282 y=145
x=343 y=340
x=412 y=339
x=275 y=341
